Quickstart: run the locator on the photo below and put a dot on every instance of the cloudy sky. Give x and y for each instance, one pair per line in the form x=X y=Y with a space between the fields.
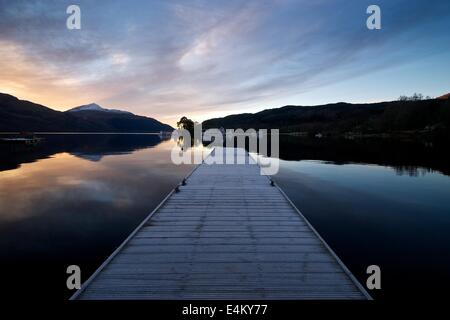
x=208 y=58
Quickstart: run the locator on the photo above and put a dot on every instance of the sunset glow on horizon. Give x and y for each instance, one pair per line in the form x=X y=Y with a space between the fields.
x=167 y=59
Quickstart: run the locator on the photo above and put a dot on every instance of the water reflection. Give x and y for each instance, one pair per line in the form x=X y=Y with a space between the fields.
x=411 y=157
x=91 y=147
x=72 y=201
x=377 y=201
x=74 y=198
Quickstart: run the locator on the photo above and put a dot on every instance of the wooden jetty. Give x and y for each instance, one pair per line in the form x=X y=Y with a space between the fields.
x=226 y=233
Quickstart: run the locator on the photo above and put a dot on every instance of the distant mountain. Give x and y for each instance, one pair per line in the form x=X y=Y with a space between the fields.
x=444 y=97
x=95 y=107
x=387 y=117
x=19 y=115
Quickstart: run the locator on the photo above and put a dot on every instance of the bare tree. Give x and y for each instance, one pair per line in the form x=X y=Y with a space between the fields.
x=414 y=97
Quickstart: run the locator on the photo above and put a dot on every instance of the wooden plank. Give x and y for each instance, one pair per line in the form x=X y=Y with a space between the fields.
x=228 y=266
x=243 y=241
x=228 y=234
x=220 y=248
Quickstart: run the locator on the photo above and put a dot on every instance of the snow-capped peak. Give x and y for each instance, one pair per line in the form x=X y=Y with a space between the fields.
x=94 y=107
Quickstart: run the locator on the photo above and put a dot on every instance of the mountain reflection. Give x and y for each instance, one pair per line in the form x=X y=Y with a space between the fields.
x=84 y=194
x=85 y=146
x=406 y=157
x=68 y=207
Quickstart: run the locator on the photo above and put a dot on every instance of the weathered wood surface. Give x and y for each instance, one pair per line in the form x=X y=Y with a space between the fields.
x=228 y=234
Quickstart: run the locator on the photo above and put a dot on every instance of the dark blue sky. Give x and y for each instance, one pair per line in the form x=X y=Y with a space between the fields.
x=211 y=58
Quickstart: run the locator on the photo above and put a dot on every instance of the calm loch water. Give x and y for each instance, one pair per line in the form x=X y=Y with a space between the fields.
x=75 y=198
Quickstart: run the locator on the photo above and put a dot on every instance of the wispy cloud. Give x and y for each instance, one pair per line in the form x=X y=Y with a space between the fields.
x=203 y=58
